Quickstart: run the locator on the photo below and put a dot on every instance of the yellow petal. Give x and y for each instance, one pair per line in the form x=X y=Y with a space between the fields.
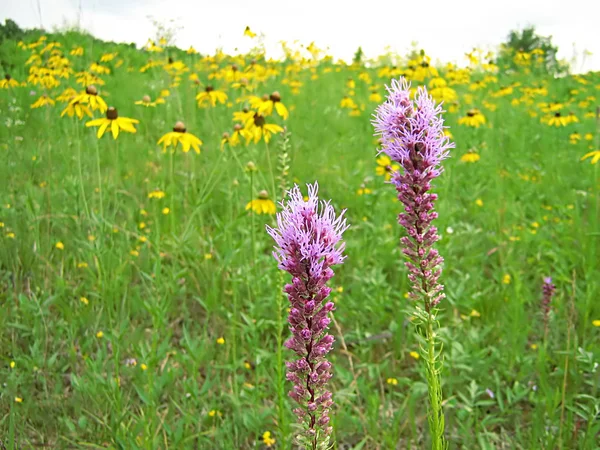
x=96 y=122
x=114 y=127
x=103 y=128
x=282 y=110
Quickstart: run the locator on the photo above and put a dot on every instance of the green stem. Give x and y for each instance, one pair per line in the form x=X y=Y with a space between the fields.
x=280 y=366
x=99 y=179
x=436 y=415
x=252 y=220
x=270 y=169
x=85 y=203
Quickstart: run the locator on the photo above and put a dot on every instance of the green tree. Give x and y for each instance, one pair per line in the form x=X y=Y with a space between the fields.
x=527 y=40
x=10 y=30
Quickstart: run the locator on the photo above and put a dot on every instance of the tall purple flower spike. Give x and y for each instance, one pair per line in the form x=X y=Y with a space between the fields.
x=412 y=134
x=308 y=241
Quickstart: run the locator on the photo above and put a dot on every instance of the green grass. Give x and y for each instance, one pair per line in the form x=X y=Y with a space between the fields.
x=167 y=307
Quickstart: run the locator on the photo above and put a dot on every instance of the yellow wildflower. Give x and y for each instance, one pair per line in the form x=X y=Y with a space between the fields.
x=115 y=123
x=262 y=205
x=180 y=135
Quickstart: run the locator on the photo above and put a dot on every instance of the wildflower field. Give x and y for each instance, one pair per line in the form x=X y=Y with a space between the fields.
x=140 y=302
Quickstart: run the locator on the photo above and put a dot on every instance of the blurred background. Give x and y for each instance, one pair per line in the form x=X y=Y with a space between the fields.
x=445 y=32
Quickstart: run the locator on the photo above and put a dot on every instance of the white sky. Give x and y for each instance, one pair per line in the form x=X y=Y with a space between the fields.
x=446 y=29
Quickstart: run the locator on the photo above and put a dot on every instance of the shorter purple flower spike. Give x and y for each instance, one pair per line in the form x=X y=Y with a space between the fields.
x=548 y=291
x=308 y=241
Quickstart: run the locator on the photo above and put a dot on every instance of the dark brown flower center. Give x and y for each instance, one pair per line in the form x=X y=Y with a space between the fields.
x=179 y=127
x=263 y=195
x=234 y=67
x=225 y=135
x=111 y=113
x=209 y=88
x=275 y=97
x=237 y=127
x=8 y=77
x=557 y=114
x=259 y=120
x=91 y=90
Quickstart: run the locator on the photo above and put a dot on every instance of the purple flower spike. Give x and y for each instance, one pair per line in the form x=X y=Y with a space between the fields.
x=412 y=134
x=308 y=241
x=548 y=291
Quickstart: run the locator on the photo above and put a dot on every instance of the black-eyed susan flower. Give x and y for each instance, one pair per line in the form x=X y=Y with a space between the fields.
x=76 y=109
x=595 y=155
x=248 y=32
x=115 y=123
x=556 y=120
x=243 y=116
x=210 y=96
x=257 y=128
x=91 y=97
x=107 y=57
x=263 y=204
x=8 y=82
x=157 y=193
x=347 y=102
x=574 y=138
x=87 y=79
x=180 y=135
x=474 y=118
x=99 y=69
x=470 y=157
x=67 y=95
x=385 y=167
x=44 y=100
x=232 y=139
x=273 y=102
x=147 y=101
x=76 y=51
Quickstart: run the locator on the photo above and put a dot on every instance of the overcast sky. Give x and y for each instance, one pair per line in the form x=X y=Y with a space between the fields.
x=446 y=29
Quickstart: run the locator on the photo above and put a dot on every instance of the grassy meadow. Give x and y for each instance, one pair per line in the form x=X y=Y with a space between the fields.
x=140 y=305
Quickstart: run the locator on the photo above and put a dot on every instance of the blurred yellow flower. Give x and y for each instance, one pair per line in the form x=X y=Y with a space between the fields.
x=91 y=97
x=211 y=96
x=385 y=167
x=156 y=194
x=249 y=33
x=267 y=439
x=44 y=100
x=470 y=157
x=262 y=205
x=595 y=155
x=474 y=119
x=179 y=135
x=257 y=128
